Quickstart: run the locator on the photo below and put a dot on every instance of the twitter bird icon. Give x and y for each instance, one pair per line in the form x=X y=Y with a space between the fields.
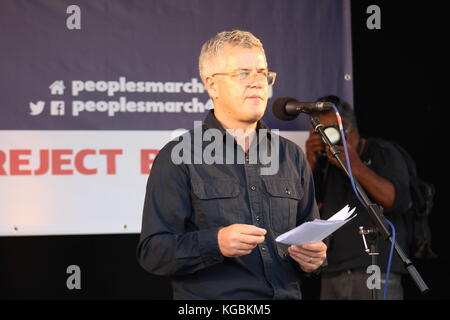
x=36 y=108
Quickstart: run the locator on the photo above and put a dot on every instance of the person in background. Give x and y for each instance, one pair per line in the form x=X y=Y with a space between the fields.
x=381 y=171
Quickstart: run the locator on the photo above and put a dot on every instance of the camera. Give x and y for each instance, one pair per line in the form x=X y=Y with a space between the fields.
x=334 y=135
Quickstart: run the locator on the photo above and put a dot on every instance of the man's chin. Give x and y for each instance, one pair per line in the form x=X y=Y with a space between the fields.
x=256 y=113
x=254 y=117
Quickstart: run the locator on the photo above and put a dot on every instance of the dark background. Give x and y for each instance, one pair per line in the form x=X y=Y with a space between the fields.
x=399 y=91
x=398 y=82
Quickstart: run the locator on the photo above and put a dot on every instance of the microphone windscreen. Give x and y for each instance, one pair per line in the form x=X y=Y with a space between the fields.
x=279 y=108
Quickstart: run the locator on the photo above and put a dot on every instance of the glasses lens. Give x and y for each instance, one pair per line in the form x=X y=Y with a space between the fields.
x=270 y=79
x=242 y=75
x=245 y=76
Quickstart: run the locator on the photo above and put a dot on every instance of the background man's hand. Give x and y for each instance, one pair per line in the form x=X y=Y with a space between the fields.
x=355 y=161
x=309 y=256
x=313 y=145
x=239 y=239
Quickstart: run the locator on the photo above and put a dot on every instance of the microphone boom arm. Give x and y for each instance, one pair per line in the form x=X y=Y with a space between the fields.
x=374 y=210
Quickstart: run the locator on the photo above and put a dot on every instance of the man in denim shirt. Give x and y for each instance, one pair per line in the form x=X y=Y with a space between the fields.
x=214 y=204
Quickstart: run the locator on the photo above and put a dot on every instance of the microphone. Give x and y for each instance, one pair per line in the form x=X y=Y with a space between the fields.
x=288 y=108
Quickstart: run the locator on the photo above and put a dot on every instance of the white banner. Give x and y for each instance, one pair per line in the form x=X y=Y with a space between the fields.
x=78 y=182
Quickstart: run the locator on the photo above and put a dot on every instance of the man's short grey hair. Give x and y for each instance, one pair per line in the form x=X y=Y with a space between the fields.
x=211 y=48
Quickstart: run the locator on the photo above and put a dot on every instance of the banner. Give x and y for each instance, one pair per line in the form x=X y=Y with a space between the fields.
x=92 y=90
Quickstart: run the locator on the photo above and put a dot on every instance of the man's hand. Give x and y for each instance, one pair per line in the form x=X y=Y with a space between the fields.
x=239 y=239
x=355 y=161
x=309 y=256
x=313 y=145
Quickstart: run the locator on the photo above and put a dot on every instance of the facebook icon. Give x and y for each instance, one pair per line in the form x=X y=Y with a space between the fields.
x=57 y=108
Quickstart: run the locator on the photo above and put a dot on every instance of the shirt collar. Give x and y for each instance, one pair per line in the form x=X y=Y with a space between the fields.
x=211 y=122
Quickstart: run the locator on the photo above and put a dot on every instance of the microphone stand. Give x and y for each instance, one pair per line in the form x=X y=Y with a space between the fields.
x=375 y=211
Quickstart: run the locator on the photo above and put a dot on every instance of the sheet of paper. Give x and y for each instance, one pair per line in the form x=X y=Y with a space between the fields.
x=316 y=230
x=342 y=214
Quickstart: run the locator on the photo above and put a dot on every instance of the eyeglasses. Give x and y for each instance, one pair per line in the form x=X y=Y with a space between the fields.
x=244 y=77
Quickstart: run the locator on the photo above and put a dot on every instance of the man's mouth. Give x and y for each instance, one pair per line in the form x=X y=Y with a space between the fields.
x=255 y=96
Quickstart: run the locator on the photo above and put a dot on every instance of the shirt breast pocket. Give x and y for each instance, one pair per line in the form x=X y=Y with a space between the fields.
x=216 y=203
x=284 y=195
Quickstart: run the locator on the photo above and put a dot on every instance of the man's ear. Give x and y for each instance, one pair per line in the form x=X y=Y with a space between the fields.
x=211 y=87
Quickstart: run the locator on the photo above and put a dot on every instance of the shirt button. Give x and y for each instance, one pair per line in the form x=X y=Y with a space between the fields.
x=263 y=248
x=253 y=188
x=288 y=192
x=258 y=218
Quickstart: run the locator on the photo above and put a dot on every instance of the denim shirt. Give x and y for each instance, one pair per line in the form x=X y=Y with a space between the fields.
x=186 y=204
